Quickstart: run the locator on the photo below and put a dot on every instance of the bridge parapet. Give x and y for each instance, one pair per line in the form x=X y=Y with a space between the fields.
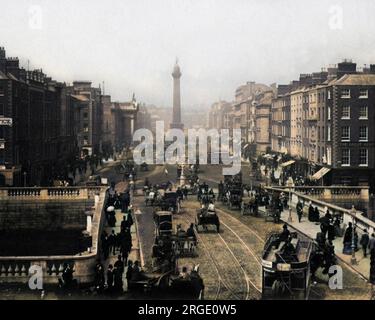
x=347 y=216
x=51 y=193
x=14 y=269
x=333 y=192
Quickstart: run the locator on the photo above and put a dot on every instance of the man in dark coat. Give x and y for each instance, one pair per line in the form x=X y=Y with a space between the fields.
x=347 y=241
x=299 y=208
x=311 y=213
x=316 y=214
x=129 y=273
x=125 y=201
x=110 y=278
x=365 y=239
x=284 y=235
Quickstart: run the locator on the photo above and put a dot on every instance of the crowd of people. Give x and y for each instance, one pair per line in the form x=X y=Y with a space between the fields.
x=110 y=280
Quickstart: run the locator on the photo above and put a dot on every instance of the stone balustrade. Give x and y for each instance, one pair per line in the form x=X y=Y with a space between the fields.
x=16 y=269
x=332 y=192
x=49 y=193
x=346 y=214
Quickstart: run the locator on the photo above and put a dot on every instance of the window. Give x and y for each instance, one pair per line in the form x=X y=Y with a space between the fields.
x=363 y=133
x=2 y=111
x=1 y=91
x=345 y=93
x=363 y=157
x=345 y=157
x=363 y=93
x=329 y=95
x=328 y=133
x=329 y=113
x=85 y=115
x=363 y=113
x=2 y=156
x=345 y=112
x=345 y=133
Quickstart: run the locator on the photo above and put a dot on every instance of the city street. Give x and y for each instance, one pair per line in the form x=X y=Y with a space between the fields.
x=230 y=262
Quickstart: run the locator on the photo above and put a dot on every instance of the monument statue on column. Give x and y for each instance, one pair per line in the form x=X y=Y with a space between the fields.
x=176 y=121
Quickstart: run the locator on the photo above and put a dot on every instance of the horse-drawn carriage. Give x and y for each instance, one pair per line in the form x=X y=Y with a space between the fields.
x=153 y=197
x=206 y=217
x=167 y=243
x=234 y=198
x=171 y=285
x=249 y=206
x=286 y=267
x=170 y=202
x=126 y=168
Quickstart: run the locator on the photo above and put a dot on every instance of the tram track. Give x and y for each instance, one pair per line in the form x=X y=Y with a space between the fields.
x=237 y=250
x=215 y=265
x=253 y=274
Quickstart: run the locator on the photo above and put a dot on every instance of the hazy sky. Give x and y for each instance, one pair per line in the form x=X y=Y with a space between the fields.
x=132 y=45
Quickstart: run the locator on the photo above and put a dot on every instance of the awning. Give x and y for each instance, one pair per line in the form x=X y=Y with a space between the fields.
x=288 y=163
x=318 y=175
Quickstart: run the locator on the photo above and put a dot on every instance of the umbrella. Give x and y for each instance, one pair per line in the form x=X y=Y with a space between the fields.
x=110 y=209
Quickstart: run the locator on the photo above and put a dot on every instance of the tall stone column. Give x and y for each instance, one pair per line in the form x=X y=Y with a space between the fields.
x=176 y=121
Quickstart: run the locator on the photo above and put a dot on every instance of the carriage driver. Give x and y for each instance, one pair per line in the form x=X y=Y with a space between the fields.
x=211 y=208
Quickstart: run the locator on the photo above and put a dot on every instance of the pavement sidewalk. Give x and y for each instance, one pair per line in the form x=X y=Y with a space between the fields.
x=310 y=229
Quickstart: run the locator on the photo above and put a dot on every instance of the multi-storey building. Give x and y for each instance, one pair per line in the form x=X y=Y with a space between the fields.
x=263 y=121
x=217 y=114
x=351 y=130
x=119 y=123
x=36 y=125
x=89 y=116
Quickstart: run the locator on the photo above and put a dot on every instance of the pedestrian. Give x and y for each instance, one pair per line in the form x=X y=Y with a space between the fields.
x=331 y=232
x=110 y=279
x=125 y=201
x=129 y=274
x=105 y=246
x=99 y=277
x=371 y=244
x=347 y=241
x=117 y=282
x=364 y=242
x=311 y=213
x=316 y=214
x=112 y=242
x=299 y=208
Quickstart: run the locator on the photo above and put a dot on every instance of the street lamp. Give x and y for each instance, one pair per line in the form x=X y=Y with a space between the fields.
x=353 y=212
x=290 y=184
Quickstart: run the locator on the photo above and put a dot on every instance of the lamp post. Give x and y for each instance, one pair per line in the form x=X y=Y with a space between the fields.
x=290 y=184
x=353 y=212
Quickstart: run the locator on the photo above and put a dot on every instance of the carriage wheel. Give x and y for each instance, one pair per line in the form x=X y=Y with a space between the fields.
x=278 y=288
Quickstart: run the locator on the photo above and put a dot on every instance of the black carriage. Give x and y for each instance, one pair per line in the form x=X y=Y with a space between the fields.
x=205 y=218
x=286 y=267
x=235 y=198
x=170 y=285
x=163 y=223
x=249 y=206
x=153 y=197
x=170 y=202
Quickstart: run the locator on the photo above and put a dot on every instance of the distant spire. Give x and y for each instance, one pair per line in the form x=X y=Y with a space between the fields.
x=176 y=60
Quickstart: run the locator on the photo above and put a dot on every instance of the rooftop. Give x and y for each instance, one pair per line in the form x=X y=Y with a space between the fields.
x=355 y=79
